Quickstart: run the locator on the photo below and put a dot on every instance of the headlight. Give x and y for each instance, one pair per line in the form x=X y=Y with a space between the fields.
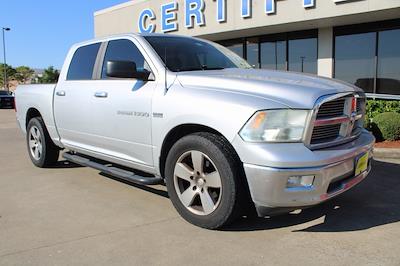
x=283 y=125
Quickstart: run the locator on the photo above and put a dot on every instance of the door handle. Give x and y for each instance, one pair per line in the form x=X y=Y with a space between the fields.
x=101 y=94
x=60 y=93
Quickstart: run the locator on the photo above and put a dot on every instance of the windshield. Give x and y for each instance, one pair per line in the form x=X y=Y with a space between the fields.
x=189 y=54
x=5 y=93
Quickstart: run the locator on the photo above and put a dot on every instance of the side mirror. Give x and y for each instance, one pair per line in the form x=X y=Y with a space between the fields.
x=125 y=69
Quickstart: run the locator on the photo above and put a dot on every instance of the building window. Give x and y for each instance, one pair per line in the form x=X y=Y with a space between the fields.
x=303 y=55
x=273 y=55
x=295 y=51
x=355 y=59
x=252 y=52
x=235 y=46
x=388 y=73
x=368 y=56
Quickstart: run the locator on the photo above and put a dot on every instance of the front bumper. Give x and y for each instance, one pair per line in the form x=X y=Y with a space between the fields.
x=268 y=185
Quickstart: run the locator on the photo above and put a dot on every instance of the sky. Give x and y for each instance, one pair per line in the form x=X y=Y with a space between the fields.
x=42 y=31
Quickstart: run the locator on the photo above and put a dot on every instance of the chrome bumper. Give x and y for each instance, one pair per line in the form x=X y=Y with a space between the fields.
x=268 y=185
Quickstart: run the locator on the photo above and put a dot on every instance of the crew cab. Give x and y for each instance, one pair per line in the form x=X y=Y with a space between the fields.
x=225 y=138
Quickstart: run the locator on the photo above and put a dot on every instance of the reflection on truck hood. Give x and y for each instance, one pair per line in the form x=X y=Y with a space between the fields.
x=292 y=89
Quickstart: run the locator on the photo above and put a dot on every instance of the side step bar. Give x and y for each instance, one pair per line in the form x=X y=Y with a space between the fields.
x=113 y=171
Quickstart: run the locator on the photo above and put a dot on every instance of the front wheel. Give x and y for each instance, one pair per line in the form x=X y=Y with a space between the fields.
x=203 y=180
x=42 y=151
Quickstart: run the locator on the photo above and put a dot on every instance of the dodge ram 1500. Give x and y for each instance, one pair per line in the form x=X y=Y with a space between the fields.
x=224 y=137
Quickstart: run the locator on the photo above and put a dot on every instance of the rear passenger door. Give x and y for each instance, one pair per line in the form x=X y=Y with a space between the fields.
x=102 y=115
x=74 y=101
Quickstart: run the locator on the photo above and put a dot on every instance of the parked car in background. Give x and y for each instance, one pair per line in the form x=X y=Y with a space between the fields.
x=6 y=99
x=224 y=137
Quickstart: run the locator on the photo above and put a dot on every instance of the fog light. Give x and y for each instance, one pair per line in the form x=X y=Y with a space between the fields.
x=300 y=181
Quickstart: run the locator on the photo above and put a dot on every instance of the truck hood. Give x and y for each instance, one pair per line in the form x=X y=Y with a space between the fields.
x=294 y=90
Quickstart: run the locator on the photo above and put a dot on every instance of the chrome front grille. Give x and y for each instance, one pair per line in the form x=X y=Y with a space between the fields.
x=324 y=134
x=331 y=109
x=337 y=119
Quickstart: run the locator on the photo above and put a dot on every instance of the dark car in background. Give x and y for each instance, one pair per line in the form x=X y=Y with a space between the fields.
x=6 y=99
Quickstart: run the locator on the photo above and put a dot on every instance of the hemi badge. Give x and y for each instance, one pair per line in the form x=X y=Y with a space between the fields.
x=158 y=115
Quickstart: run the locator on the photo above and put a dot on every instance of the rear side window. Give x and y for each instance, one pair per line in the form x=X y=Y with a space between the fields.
x=123 y=50
x=82 y=63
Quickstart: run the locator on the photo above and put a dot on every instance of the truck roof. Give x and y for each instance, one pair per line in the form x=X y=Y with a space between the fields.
x=128 y=34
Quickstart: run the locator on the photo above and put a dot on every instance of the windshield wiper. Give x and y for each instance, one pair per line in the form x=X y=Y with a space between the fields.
x=204 y=67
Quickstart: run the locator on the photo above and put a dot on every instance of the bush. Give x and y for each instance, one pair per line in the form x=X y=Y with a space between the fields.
x=388 y=126
x=367 y=122
x=375 y=107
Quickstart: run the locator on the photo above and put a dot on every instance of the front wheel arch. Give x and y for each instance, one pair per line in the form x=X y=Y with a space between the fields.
x=244 y=203
x=177 y=133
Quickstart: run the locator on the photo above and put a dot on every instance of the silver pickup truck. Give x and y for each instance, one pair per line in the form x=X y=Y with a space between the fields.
x=226 y=139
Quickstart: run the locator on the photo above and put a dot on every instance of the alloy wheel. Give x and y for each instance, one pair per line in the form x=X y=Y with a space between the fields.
x=35 y=143
x=197 y=182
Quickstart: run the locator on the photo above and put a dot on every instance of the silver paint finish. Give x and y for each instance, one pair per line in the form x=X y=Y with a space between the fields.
x=295 y=155
x=222 y=100
x=268 y=185
x=39 y=97
x=294 y=90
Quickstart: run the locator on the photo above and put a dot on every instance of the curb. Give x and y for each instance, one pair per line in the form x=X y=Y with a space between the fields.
x=388 y=153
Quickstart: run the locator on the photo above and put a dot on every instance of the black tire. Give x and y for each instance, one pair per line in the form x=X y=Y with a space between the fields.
x=226 y=163
x=49 y=151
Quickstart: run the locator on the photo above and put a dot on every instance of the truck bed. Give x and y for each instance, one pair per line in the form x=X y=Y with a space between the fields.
x=39 y=97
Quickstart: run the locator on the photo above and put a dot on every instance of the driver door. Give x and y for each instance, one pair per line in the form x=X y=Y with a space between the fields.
x=123 y=107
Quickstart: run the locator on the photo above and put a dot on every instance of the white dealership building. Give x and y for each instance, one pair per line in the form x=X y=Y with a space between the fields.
x=353 y=40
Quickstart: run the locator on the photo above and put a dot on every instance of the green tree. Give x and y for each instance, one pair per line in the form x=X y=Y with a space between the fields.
x=23 y=74
x=50 y=75
x=10 y=74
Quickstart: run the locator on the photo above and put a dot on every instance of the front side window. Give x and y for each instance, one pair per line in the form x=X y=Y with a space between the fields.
x=187 y=54
x=123 y=50
x=82 y=63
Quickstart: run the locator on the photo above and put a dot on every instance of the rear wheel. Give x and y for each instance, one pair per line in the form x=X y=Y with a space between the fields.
x=203 y=181
x=42 y=151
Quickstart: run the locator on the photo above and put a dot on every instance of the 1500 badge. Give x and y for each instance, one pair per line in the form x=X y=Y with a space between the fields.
x=133 y=113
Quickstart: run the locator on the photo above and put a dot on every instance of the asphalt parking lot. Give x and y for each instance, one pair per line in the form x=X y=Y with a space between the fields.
x=72 y=215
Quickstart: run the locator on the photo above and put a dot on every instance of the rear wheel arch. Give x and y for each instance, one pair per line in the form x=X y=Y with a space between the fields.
x=31 y=113
x=35 y=113
x=41 y=148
